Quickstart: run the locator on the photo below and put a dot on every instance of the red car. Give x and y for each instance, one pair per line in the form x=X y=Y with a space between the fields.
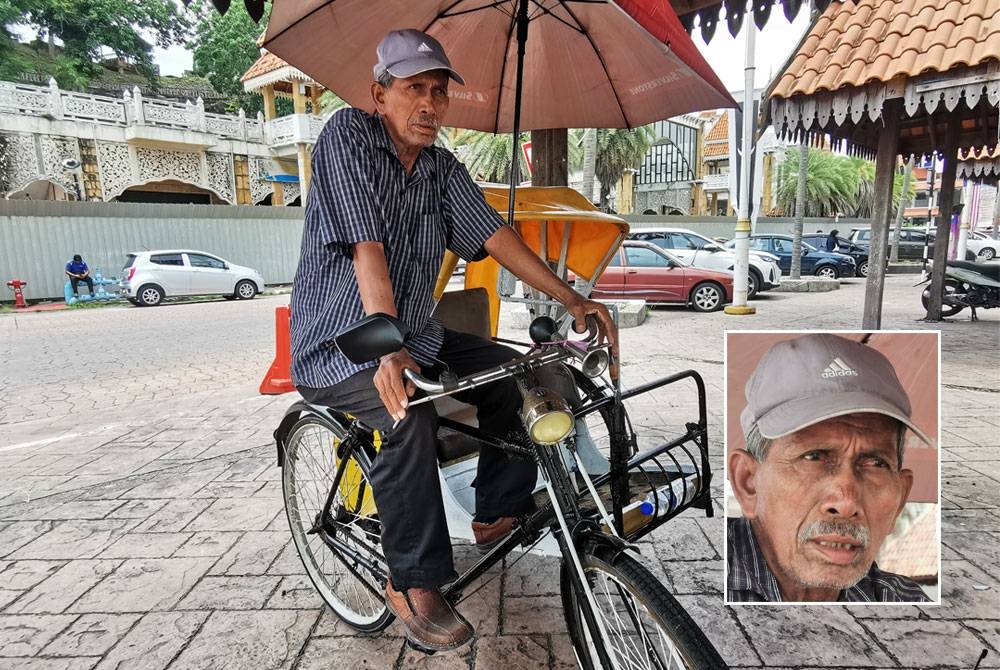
x=645 y=271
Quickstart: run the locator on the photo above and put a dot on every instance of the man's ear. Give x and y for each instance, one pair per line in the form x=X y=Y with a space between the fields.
x=378 y=96
x=743 y=479
x=905 y=483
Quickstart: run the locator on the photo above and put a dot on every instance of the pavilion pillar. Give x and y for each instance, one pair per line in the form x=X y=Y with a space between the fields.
x=270 y=109
x=946 y=199
x=298 y=97
x=277 y=194
x=885 y=163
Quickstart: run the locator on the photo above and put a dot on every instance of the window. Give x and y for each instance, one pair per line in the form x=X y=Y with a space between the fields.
x=672 y=156
x=128 y=262
x=639 y=257
x=616 y=261
x=167 y=259
x=693 y=241
x=758 y=243
x=202 y=261
x=782 y=245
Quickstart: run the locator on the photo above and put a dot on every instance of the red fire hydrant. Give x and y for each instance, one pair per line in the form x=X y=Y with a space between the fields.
x=16 y=285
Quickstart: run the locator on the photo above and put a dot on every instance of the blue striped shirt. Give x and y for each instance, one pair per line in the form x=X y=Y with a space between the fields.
x=361 y=192
x=750 y=580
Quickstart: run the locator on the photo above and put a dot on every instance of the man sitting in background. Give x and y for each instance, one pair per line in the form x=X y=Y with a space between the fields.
x=78 y=273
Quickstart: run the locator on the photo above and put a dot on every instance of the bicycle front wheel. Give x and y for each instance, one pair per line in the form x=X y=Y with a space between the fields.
x=646 y=627
x=347 y=574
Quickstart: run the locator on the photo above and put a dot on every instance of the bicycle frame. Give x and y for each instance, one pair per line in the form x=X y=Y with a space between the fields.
x=572 y=527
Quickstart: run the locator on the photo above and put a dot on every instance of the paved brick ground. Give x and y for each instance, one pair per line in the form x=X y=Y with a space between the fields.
x=141 y=523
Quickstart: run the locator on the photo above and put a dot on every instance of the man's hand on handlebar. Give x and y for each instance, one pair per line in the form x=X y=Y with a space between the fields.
x=607 y=331
x=392 y=388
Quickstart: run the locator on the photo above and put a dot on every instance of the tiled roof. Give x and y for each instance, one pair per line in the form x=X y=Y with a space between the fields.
x=720 y=131
x=267 y=62
x=879 y=40
x=717 y=150
x=915 y=552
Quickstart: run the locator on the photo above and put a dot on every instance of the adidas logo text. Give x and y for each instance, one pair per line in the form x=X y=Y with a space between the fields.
x=838 y=369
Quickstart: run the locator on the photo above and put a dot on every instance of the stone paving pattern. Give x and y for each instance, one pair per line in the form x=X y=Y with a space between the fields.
x=141 y=522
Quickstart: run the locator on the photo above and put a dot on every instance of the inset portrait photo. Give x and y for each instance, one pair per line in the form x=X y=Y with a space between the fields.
x=832 y=467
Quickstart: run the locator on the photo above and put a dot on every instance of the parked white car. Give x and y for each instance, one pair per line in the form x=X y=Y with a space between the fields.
x=983 y=246
x=150 y=276
x=703 y=252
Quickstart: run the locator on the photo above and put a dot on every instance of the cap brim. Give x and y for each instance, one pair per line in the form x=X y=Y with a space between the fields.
x=797 y=414
x=417 y=66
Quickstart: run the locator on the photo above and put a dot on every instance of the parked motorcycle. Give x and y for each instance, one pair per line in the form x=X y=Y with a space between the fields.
x=970 y=285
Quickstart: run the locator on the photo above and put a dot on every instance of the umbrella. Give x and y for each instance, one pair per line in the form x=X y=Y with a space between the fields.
x=528 y=64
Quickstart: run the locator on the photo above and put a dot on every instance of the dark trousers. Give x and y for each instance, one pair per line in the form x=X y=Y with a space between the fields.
x=405 y=474
x=76 y=281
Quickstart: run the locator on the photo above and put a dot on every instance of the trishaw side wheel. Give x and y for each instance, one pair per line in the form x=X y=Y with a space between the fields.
x=646 y=626
x=344 y=577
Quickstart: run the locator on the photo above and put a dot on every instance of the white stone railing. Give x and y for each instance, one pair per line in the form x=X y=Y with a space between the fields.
x=716 y=182
x=129 y=110
x=293 y=129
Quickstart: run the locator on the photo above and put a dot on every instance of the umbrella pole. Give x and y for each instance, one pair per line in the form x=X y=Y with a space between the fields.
x=515 y=166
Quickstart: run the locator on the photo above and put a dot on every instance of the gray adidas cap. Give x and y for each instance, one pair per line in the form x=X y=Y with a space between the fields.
x=404 y=53
x=817 y=377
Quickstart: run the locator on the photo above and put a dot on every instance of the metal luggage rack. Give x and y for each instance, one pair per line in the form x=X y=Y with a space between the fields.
x=680 y=466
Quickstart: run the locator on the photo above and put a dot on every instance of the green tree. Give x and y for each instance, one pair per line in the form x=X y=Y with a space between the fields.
x=619 y=149
x=487 y=156
x=223 y=48
x=831 y=183
x=88 y=28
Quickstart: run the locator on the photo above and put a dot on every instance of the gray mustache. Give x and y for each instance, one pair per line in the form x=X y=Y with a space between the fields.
x=428 y=121
x=836 y=527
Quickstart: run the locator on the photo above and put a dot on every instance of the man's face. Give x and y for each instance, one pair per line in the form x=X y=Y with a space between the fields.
x=413 y=109
x=823 y=501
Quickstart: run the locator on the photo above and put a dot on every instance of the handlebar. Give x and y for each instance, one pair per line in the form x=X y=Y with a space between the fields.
x=554 y=353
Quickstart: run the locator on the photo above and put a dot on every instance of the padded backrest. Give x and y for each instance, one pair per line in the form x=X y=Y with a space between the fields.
x=467 y=311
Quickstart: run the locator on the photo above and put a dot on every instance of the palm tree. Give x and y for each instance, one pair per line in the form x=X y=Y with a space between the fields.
x=487 y=156
x=618 y=150
x=831 y=183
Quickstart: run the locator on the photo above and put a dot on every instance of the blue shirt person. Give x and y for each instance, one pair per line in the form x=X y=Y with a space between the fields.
x=79 y=273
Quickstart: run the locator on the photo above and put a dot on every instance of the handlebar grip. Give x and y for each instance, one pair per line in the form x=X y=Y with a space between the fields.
x=423 y=383
x=592 y=330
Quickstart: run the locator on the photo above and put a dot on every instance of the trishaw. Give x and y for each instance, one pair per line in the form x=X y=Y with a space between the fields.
x=597 y=493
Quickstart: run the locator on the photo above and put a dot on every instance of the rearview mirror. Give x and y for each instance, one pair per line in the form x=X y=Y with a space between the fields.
x=372 y=337
x=712 y=248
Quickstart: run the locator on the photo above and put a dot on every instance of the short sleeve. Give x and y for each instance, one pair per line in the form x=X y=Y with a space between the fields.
x=469 y=218
x=342 y=208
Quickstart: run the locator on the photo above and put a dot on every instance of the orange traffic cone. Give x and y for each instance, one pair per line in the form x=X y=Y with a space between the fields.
x=278 y=379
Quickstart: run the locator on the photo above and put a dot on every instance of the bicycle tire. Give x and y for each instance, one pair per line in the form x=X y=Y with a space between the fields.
x=353 y=592
x=679 y=640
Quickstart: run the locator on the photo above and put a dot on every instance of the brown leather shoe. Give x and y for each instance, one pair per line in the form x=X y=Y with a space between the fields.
x=488 y=535
x=430 y=620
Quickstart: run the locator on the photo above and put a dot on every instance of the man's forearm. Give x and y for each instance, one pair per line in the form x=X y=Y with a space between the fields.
x=372 y=273
x=507 y=247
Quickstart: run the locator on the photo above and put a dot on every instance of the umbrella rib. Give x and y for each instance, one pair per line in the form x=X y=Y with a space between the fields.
x=503 y=74
x=597 y=52
x=447 y=13
x=545 y=10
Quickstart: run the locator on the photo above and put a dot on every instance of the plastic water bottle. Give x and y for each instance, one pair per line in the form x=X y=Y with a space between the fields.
x=670 y=496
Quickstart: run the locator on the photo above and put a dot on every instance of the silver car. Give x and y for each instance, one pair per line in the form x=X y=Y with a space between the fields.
x=700 y=251
x=150 y=276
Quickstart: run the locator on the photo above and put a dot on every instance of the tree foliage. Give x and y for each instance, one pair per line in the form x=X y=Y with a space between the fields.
x=487 y=156
x=835 y=184
x=223 y=48
x=87 y=29
x=618 y=150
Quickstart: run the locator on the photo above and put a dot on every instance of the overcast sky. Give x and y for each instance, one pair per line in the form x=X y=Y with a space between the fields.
x=725 y=54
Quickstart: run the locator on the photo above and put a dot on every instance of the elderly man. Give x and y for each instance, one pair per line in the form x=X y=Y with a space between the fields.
x=385 y=204
x=821 y=481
